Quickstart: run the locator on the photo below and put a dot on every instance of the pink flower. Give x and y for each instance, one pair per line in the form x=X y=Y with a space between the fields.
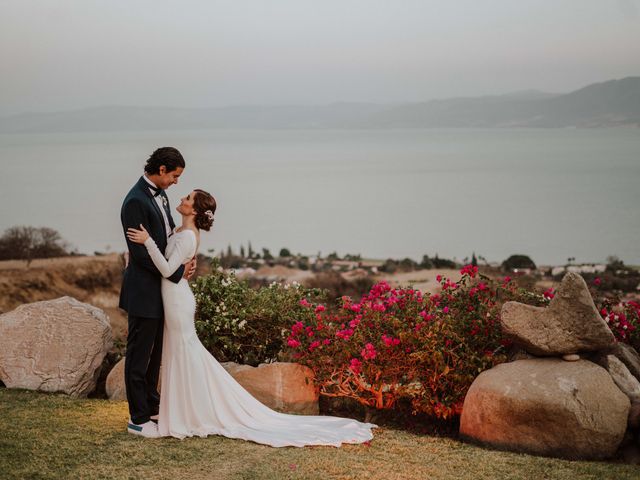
x=390 y=341
x=368 y=352
x=597 y=281
x=297 y=328
x=438 y=278
x=320 y=308
x=445 y=310
x=293 y=343
x=304 y=303
x=469 y=270
x=344 y=334
x=506 y=279
x=314 y=345
x=355 y=365
x=548 y=293
x=326 y=341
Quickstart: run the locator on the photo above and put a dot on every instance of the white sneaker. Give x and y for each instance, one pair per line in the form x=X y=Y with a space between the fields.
x=147 y=430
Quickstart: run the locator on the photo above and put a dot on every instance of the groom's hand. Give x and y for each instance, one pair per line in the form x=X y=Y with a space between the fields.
x=189 y=268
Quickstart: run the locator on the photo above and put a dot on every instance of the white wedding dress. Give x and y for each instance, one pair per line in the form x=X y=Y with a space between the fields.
x=198 y=396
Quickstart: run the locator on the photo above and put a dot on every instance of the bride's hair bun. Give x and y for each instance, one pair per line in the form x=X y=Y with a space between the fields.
x=205 y=205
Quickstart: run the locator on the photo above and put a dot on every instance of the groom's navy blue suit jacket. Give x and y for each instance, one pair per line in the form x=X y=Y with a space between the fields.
x=140 y=294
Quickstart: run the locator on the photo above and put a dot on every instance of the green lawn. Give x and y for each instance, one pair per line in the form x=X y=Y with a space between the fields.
x=53 y=436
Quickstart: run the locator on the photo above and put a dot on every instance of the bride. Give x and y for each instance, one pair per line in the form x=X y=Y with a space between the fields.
x=198 y=396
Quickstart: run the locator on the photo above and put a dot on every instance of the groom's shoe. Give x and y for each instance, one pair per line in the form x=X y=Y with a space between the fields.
x=154 y=418
x=147 y=430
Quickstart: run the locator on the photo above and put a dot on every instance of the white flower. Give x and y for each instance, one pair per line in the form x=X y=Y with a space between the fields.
x=242 y=324
x=624 y=327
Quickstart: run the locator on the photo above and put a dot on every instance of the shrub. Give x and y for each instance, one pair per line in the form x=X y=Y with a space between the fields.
x=402 y=344
x=237 y=323
x=518 y=261
x=27 y=243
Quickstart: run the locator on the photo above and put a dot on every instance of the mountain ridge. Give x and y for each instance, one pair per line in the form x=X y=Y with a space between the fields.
x=605 y=104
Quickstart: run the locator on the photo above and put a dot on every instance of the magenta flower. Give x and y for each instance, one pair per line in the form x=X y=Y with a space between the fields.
x=355 y=365
x=368 y=352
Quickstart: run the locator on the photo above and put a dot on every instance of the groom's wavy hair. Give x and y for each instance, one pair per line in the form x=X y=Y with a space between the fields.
x=170 y=157
x=203 y=202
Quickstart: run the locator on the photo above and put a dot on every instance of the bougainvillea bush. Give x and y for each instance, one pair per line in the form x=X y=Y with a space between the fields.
x=393 y=346
x=398 y=343
x=623 y=317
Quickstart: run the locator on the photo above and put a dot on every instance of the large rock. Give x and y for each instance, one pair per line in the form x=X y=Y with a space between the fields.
x=628 y=355
x=54 y=346
x=114 y=386
x=287 y=387
x=621 y=376
x=570 y=324
x=547 y=407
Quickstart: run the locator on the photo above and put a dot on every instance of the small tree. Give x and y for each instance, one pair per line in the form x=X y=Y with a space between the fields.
x=518 y=261
x=284 y=252
x=27 y=243
x=266 y=254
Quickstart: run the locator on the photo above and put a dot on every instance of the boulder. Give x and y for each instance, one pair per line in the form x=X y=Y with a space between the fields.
x=547 y=407
x=634 y=415
x=282 y=386
x=54 y=346
x=628 y=355
x=570 y=324
x=620 y=375
x=287 y=387
x=114 y=386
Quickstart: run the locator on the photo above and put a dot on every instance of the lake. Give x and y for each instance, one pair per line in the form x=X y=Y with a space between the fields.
x=548 y=193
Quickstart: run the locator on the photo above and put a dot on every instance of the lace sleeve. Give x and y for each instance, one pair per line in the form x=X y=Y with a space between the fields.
x=180 y=254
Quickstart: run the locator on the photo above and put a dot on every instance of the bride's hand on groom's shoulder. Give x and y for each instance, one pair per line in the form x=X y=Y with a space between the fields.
x=137 y=236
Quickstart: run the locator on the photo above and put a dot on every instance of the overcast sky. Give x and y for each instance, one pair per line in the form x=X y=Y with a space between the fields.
x=67 y=54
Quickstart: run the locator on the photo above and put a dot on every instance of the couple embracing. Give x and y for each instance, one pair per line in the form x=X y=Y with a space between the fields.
x=198 y=397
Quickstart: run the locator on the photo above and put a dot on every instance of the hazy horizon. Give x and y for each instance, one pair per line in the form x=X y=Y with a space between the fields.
x=71 y=54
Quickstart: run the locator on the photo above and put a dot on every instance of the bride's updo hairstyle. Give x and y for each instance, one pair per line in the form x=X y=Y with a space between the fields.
x=205 y=205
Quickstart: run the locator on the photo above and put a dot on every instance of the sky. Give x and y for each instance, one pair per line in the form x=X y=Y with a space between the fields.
x=70 y=54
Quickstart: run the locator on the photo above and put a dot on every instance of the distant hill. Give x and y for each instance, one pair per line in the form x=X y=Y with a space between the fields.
x=607 y=104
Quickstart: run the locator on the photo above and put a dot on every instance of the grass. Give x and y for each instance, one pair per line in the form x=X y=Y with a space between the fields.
x=47 y=436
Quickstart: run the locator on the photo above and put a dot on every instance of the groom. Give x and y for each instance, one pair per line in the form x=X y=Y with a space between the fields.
x=147 y=204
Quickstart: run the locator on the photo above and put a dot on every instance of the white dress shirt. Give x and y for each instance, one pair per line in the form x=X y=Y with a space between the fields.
x=158 y=200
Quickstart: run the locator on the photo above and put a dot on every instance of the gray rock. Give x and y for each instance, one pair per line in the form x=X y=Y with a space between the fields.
x=547 y=407
x=620 y=375
x=54 y=346
x=628 y=355
x=570 y=324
